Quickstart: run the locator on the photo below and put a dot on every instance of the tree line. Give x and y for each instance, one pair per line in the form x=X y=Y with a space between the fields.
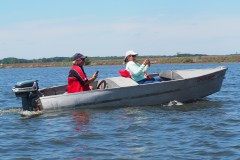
x=12 y=60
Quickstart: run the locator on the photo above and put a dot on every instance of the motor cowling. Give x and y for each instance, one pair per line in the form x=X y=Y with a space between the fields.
x=28 y=91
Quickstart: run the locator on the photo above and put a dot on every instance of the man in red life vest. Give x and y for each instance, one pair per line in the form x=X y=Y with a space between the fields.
x=77 y=78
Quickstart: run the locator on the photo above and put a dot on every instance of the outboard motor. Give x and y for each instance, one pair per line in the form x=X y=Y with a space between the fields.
x=28 y=91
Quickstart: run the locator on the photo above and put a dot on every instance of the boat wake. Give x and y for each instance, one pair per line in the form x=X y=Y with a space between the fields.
x=174 y=103
x=10 y=111
x=25 y=114
x=30 y=114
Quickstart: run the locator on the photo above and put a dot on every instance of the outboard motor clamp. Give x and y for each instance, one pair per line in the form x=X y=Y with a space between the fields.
x=28 y=91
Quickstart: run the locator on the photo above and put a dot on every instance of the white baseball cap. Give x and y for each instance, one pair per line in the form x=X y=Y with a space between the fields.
x=128 y=53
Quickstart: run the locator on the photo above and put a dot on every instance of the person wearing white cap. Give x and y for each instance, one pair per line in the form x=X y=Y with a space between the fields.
x=136 y=70
x=77 y=78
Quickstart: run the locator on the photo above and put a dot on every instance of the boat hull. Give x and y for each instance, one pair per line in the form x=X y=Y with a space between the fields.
x=184 y=89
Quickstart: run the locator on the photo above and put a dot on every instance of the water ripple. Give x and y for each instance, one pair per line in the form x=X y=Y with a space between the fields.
x=205 y=129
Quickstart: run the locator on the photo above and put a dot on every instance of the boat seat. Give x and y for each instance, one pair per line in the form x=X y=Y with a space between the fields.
x=124 y=73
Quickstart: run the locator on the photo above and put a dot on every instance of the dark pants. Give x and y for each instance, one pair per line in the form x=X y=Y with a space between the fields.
x=152 y=80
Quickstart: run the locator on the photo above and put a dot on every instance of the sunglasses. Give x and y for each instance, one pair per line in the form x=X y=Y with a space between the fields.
x=134 y=55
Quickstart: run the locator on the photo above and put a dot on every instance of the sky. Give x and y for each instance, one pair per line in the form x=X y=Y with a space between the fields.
x=33 y=29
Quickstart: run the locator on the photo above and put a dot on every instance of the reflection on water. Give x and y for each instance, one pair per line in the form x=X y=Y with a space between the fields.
x=80 y=119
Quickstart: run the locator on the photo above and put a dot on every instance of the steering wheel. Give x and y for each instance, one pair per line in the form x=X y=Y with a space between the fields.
x=102 y=85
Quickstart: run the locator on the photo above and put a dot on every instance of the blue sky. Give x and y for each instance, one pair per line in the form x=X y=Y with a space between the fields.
x=53 y=28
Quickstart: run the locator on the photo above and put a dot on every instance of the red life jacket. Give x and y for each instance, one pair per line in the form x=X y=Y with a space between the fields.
x=74 y=85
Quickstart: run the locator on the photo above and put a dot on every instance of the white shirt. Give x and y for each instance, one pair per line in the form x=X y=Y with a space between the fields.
x=137 y=70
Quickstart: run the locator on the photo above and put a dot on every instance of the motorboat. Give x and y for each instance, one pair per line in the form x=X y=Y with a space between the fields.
x=177 y=85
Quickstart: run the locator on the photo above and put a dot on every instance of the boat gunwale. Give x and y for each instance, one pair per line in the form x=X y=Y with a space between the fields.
x=120 y=88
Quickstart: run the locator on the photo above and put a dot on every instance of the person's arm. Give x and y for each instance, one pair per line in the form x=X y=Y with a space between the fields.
x=147 y=65
x=90 y=80
x=145 y=69
x=134 y=68
x=73 y=73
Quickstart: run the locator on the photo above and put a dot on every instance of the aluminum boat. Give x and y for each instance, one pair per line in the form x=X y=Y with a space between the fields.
x=180 y=85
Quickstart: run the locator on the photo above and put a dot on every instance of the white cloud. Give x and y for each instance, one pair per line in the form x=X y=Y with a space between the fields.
x=150 y=36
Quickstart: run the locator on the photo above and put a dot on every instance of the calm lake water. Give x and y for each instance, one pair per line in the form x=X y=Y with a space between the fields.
x=206 y=129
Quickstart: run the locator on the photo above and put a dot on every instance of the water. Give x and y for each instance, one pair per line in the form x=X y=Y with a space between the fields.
x=206 y=129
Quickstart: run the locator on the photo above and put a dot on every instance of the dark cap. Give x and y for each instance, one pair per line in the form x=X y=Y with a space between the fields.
x=78 y=55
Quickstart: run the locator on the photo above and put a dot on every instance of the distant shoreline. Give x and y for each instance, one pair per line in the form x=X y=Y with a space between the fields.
x=161 y=60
